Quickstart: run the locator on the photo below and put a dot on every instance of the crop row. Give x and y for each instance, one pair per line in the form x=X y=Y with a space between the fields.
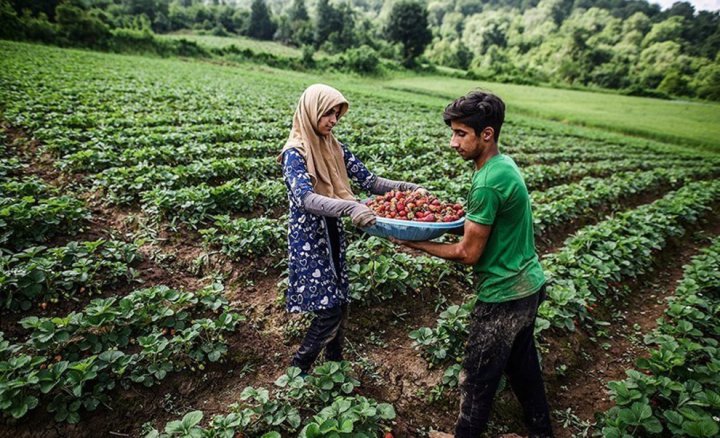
x=376 y=271
x=589 y=267
x=196 y=204
x=318 y=405
x=40 y=275
x=544 y=176
x=32 y=212
x=565 y=203
x=675 y=389
x=127 y=184
x=244 y=237
x=73 y=362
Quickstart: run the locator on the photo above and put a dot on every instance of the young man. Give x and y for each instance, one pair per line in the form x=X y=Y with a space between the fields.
x=498 y=241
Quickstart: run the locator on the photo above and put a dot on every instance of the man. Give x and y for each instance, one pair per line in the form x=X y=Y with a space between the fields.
x=498 y=241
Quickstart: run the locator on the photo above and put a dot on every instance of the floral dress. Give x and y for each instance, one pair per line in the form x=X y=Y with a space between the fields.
x=315 y=281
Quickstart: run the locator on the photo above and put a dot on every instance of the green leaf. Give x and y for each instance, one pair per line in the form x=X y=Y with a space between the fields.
x=706 y=427
x=346 y=427
x=653 y=425
x=191 y=419
x=386 y=411
x=635 y=414
x=673 y=417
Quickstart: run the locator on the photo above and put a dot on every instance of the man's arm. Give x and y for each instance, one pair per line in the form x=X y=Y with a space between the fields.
x=467 y=251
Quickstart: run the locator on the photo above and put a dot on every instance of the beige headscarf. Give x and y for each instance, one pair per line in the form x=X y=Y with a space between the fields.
x=323 y=153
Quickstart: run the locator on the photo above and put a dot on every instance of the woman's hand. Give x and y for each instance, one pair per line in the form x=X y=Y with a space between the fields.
x=362 y=216
x=422 y=190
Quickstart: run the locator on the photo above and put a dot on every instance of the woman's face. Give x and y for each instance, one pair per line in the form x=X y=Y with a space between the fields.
x=328 y=120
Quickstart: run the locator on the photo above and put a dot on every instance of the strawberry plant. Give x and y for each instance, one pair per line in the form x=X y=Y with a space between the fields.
x=74 y=361
x=677 y=390
x=195 y=205
x=40 y=275
x=377 y=272
x=321 y=401
x=246 y=237
x=27 y=220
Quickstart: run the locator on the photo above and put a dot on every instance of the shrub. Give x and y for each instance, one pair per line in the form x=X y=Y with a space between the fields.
x=363 y=59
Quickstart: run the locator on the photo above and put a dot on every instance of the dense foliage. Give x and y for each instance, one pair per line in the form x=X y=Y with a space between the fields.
x=626 y=45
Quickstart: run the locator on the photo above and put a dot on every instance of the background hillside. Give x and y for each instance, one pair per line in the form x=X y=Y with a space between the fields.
x=632 y=46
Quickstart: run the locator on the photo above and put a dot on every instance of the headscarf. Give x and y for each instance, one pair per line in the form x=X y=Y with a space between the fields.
x=322 y=153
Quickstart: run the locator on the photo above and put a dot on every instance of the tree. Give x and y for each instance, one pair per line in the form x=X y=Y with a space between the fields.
x=261 y=25
x=328 y=20
x=10 y=25
x=298 y=12
x=36 y=7
x=344 y=38
x=408 y=25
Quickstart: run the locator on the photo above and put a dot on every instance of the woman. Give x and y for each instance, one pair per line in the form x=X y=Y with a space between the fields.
x=316 y=168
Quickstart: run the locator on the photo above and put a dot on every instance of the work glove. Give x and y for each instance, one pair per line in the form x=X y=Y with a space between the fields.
x=320 y=205
x=384 y=185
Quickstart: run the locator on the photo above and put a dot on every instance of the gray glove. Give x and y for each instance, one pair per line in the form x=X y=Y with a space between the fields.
x=321 y=205
x=384 y=185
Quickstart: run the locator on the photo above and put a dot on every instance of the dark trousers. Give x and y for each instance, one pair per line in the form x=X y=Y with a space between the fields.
x=327 y=330
x=501 y=341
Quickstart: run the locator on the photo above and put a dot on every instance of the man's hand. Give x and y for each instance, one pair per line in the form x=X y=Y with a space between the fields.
x=467 y=251
x=408 y=243
x=422 y=190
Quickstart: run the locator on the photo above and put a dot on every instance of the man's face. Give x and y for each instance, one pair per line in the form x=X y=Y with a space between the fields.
x=468 y=144
x=328 y=120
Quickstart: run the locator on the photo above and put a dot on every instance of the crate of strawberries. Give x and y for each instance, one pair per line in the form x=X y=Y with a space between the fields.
x=413 y=216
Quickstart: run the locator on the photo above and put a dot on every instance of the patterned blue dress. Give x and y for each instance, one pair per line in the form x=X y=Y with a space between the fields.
x=315 y=282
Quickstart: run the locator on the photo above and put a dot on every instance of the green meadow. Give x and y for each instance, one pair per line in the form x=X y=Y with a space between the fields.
x=673 y=121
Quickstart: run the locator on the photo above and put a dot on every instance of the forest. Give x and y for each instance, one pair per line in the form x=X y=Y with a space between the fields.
x=630 y=46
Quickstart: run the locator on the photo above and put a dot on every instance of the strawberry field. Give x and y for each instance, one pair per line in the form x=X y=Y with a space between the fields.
x=143 y=263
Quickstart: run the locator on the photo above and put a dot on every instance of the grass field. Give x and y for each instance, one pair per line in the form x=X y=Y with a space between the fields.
x=683 y=122
x=241 y=42
x=143 y=261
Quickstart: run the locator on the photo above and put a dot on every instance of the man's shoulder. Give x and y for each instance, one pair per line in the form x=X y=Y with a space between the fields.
x=498 y=173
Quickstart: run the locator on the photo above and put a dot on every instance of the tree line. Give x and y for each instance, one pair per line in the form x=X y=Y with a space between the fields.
x=627 y=45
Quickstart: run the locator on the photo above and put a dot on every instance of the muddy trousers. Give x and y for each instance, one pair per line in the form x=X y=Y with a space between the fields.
x=327 y=330
x=501 y=342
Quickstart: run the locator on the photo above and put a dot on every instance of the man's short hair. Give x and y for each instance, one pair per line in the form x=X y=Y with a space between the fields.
x=478 y=110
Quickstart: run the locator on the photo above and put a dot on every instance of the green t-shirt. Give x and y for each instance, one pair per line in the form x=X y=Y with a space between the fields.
x=509 y=268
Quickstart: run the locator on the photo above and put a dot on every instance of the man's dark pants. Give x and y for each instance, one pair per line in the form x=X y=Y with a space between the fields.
x=501 y=341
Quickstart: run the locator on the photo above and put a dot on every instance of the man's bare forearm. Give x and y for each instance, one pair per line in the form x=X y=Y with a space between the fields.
x=448 y=251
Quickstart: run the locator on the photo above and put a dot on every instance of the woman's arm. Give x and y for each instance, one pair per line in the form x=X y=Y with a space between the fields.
x=368 y=181
x=302 y=194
